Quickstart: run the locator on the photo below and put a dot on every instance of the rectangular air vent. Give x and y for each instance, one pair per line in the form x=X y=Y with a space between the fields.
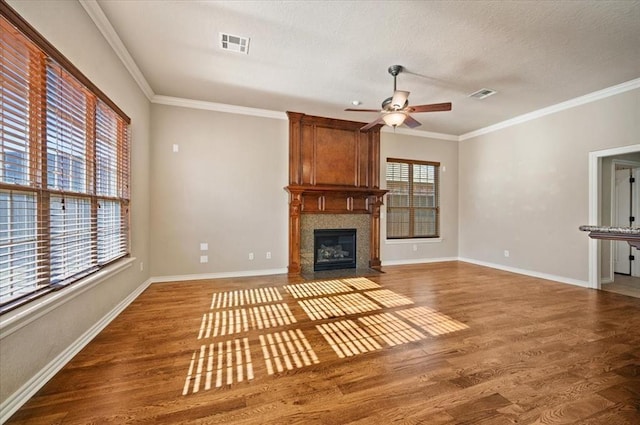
x=234 y=43
x=482 y=93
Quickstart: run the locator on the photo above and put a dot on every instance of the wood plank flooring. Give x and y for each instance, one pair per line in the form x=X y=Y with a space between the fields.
x=624 y=285
x=441 y=343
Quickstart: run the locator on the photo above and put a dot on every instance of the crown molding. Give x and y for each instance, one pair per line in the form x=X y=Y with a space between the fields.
x=102 y=23
x=100 y=20
x=588 y=98
x=425 y=134
x=219 y=107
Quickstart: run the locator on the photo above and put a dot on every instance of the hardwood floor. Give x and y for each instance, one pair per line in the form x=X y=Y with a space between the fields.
x=440 y=343
x=624 y=285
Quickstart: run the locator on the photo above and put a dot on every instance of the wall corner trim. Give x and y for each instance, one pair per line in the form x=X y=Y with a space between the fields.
x=418 y=261
x=555 y=278
x=587 y=98
x=419 y=133
x=218 y=107
x=221 y=275
x=109 y=33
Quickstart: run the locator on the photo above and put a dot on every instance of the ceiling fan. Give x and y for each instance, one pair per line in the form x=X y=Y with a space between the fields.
x=396 y=110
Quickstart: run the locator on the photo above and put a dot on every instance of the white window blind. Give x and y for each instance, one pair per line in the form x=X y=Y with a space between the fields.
x=64 y=169
x=413 y=205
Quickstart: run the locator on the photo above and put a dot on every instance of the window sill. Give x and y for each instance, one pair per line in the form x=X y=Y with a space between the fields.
x=412 y=241
x=22 y=316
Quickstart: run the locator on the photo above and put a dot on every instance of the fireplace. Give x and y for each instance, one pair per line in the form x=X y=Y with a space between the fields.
x=334 y=171
x=334 y=249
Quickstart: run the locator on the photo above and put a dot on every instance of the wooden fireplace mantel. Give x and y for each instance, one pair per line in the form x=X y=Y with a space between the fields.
x=335 y=199
x=334 y=168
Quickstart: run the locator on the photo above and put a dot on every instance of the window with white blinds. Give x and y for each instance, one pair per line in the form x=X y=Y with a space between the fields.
x=413 y=205
x=64 y=169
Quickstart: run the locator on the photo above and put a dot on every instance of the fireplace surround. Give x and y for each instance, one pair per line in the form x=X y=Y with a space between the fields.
x=310 y=222
x=334 y=171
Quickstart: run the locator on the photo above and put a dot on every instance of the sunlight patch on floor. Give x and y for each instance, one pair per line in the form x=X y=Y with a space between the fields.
x=222 y=363
x=243 y=297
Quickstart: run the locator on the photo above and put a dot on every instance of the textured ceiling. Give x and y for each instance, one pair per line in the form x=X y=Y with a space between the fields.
x=317 y=56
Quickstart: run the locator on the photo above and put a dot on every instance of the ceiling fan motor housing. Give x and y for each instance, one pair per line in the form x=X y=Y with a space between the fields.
x=387 y=106
x=395 y=70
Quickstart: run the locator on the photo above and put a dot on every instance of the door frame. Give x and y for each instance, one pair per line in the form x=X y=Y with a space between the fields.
x=614 y=163
x=595 y=194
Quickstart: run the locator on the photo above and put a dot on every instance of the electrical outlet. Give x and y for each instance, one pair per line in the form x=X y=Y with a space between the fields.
x=176 y=148
x=506 y=252
x=251 y=256
x=204 y=246
x=204 y=258
x=268 y=255
x=415 y=247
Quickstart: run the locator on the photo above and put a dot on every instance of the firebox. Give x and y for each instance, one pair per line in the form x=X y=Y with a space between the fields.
x=334 y=249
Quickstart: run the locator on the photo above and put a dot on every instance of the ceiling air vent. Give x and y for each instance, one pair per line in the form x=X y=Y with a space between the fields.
x=483 y=93
x=234 y=43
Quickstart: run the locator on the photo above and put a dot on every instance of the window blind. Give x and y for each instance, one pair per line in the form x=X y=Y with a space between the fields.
x=64 y=169
x=413 y=204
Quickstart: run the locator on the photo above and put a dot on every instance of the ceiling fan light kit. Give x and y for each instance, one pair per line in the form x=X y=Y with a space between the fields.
x=396 y=110
x=394 y=119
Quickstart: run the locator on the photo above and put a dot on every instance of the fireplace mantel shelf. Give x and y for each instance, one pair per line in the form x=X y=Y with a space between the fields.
x=357 y=191
x=322 y=199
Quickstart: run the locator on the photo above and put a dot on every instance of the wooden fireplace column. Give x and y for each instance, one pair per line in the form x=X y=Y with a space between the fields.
x=334 y=168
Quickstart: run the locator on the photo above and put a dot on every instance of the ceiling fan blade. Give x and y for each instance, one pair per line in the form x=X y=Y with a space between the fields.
x=434 y=107
x=411 y=122
x=372 y=124
x=362 y=110
x=399 y=99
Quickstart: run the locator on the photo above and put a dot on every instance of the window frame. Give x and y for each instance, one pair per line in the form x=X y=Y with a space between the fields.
x=49 y=59
x=411 y=234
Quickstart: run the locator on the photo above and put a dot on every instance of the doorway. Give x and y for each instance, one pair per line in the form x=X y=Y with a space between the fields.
x=625 y=206
x=601 y=194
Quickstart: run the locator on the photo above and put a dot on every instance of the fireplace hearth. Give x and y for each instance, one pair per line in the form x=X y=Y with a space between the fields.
x=334 y=249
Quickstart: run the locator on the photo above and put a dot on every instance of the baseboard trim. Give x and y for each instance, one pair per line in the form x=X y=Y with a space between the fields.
x=418 y=261
x=561 y=279
x=248 y=273
x=33 y=385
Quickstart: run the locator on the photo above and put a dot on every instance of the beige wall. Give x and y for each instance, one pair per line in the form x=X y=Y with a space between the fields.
x=25 y=351
x=525 y=188
x=394 y=145
x=224 y=187
x=522 y=189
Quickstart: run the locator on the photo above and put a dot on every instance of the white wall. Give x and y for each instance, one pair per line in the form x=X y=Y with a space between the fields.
x=26 y=350
x=395 y=145
x=525 y=188
x=224 y=187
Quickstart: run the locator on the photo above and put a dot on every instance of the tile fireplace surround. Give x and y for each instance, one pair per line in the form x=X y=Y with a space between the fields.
x=311 y=222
